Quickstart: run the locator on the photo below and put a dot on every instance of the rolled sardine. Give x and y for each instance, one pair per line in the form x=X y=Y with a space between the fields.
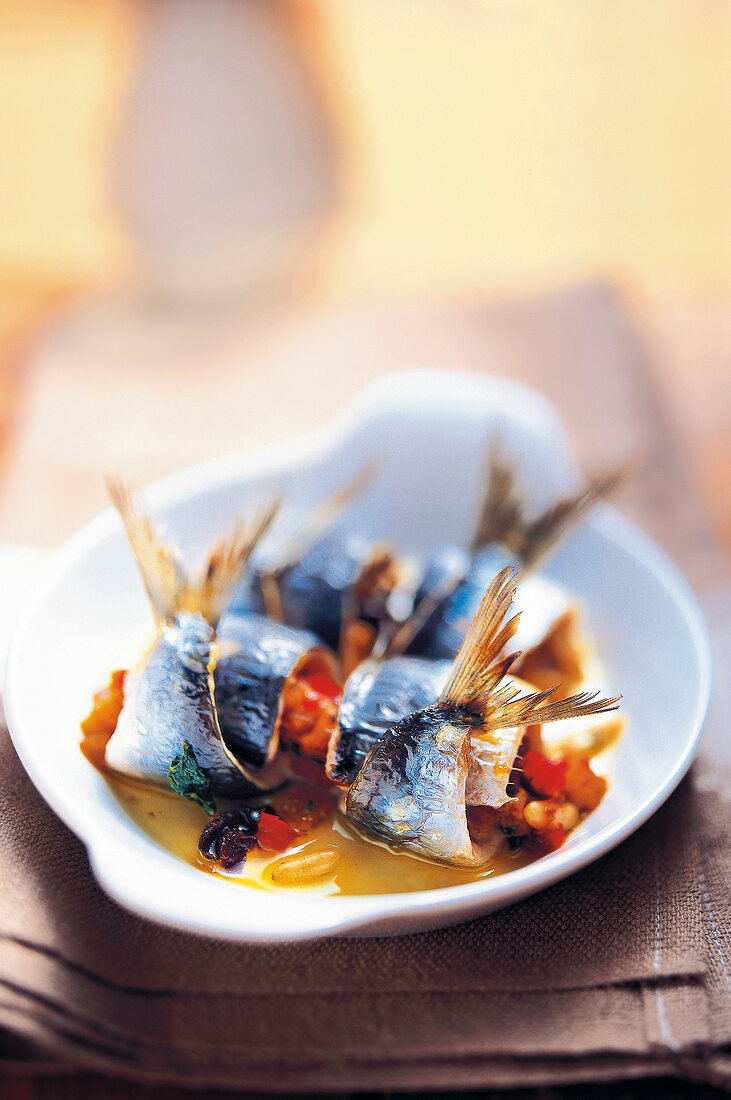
x=256 y=660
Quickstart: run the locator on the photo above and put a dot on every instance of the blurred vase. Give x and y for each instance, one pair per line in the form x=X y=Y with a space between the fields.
x=225 y=165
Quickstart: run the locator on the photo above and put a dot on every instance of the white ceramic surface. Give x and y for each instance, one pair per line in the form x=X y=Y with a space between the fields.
x=428 y=431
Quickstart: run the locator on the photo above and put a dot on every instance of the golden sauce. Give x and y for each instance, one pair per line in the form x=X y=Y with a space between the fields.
x=366 y=867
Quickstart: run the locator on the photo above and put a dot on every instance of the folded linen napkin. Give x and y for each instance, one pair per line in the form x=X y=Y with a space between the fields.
x=622 y=970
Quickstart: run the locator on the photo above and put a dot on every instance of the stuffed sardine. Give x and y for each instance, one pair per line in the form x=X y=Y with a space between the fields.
x=169 y=713
x=411 y=790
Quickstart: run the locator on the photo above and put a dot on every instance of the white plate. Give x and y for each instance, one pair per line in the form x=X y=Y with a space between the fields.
x=428 y=429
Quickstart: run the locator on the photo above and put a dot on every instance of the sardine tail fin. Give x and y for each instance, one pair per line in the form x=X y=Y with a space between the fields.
x=507 y=708
x=329 y=509
x=502 y=514
x=399 y=640
x=537 y=538
x=163 y=575
x=167 y=583
x=479 y=667
x=500 y=518
x=226 y=563
x=323 y=516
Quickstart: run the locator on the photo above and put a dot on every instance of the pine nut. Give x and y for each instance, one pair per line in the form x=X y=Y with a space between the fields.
x=305 y=867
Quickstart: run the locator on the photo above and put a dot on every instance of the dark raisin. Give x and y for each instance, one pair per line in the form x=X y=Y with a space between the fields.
x=228 y=836
x=233 y=848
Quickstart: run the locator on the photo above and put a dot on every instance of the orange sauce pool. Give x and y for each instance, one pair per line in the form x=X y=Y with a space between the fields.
x=365 y=868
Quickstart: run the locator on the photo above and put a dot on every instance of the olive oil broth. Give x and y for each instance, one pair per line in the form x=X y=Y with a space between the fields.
x=366 y=867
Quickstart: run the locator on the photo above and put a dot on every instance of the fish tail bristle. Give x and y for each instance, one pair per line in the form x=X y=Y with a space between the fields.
x=402 y=638
x=474 y=673
x=538 y=708
x=324 y=515
x=225 y=565
x=271 y=592
x=163 y=575
x=329 y=509
x=500 y=517
x=539 y=536
x=498 y=672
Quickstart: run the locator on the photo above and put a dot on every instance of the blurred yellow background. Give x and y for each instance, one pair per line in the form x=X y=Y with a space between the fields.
x=486 y=147
x=496 y=144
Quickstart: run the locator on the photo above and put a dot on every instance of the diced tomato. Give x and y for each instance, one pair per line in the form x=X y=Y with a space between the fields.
x=544 y=776
x=273 y=834
x=94 y=747
x=553 y=839
x=309 y=712
x=582 y=785
x=324 y=685
x=107 y=706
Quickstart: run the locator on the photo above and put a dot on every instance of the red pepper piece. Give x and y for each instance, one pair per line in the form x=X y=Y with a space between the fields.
x=553 y=839
x=273 y=834
x=324 y=685
x=546 y=777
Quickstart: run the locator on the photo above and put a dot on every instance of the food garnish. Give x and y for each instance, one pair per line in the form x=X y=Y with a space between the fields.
x=187 y=779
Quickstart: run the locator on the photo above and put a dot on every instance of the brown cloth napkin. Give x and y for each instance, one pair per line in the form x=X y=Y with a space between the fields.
x=622 y=970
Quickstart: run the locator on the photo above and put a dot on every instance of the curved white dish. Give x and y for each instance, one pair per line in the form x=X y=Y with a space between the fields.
x=428 y=430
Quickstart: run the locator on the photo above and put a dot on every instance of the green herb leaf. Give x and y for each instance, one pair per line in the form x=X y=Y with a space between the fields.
x=188 y=778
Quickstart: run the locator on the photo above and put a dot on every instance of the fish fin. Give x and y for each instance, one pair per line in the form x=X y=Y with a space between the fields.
x=167 y=583
x=329 y=509
x=478 y=667
x=271 y=592
x=538 y=537
x=323 y=516
x=502 y=517
x=163 y=574
x=398 y=641
x=478 y=670
x=507 y=708
x=212 y=593
x=380 y=565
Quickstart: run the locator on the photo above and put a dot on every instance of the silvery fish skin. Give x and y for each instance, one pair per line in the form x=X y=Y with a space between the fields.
x=168 y=701
x=376 y=696
x=443 y=564
x=312 y=590
x=443 y=633
x=256 y=660
x=411 y=790
x=380 y=693
x=492 y=756
x=541 y=601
